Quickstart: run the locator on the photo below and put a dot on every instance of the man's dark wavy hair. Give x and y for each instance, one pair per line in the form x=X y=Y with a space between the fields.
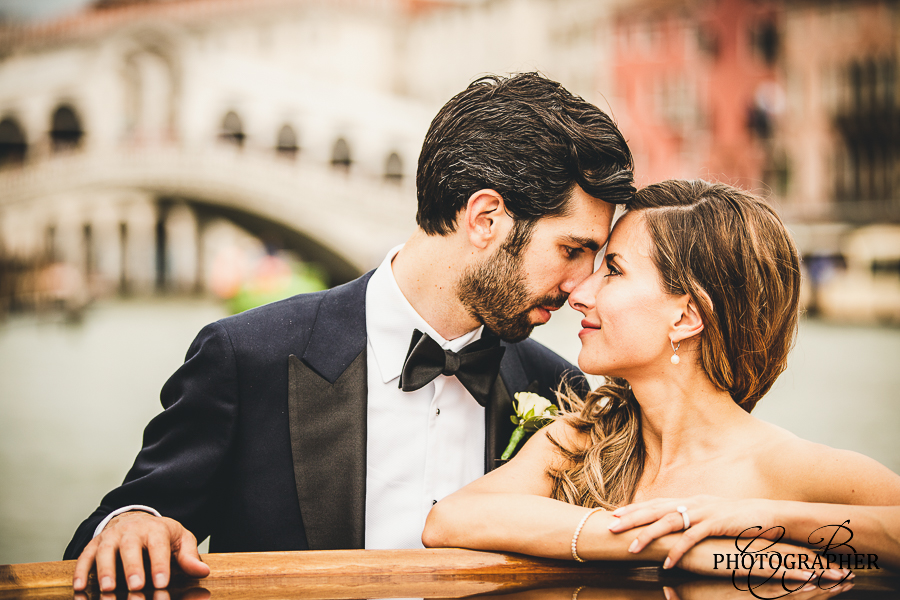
x=527 y=138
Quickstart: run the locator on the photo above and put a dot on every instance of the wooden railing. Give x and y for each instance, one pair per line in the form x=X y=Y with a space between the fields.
x=433 y=573
x=446 y=572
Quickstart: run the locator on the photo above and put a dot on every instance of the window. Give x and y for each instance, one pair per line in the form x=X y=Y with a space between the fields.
x=232 y=129
x=868 y=149
x=393 y=168
x=287 y=142
x=340 y=155
x=764 y=40
x=65 y=129
x=12 y=142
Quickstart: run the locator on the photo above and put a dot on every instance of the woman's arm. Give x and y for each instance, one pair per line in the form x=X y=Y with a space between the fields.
x=836 y=486
x=874 y=529
x=510 y=510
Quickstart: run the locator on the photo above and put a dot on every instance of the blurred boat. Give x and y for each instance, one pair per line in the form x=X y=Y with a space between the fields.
x=868 y=288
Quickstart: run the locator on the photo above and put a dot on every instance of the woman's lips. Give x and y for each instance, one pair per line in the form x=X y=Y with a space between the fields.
x=588 y=327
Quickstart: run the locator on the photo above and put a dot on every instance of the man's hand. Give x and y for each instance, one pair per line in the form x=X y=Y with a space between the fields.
x=127 y=536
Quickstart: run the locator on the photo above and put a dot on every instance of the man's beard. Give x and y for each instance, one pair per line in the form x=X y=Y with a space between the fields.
x=495 y=292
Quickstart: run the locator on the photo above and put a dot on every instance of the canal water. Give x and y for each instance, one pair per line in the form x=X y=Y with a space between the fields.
x=74 y=398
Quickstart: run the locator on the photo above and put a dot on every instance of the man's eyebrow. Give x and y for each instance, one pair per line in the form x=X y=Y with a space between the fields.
x=587 y=242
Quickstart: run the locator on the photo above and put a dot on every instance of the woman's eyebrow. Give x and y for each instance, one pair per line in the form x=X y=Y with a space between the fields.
x=589 y=243
x=615 y=256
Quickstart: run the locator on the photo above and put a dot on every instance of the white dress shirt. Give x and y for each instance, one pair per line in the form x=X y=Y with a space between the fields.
x=422 y=445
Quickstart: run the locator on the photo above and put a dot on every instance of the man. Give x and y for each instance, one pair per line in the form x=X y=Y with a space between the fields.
x=336 y=419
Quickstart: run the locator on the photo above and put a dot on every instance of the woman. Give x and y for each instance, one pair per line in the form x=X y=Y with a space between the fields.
x=690 y=317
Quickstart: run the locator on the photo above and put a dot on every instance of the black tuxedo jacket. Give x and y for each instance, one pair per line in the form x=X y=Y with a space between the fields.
x=262 y=443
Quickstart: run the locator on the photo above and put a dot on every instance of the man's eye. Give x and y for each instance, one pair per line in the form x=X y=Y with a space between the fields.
x=572 y=252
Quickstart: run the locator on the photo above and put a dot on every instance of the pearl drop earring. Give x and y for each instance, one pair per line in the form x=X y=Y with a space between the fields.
x=675 y=360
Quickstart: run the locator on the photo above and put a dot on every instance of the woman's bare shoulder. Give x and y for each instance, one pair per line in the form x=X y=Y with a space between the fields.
x=556 y=442
x=528 y=471
x=804 y=470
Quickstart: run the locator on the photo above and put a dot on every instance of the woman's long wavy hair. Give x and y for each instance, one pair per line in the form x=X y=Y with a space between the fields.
x=731 y=253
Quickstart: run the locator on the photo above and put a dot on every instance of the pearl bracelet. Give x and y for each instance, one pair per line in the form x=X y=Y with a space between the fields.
x=578 y=531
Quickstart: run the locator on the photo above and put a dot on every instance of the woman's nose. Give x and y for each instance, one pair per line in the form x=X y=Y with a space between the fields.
x=583 y=297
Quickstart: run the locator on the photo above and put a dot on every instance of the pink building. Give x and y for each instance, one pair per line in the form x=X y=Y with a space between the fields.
x=841 y=130
x=700 y=87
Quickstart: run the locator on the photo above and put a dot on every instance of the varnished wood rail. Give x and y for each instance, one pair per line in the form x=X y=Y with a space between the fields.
x=336 y=567
x=431 y=573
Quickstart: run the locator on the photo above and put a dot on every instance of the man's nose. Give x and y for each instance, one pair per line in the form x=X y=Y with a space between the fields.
x=577 y=277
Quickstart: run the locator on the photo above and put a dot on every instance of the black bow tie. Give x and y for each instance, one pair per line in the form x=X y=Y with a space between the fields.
x=476 y=366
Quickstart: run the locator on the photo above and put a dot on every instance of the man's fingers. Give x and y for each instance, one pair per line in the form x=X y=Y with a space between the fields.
x=162 y=538
x=83 y=566
x=159 y=550
x=107 y=550
x=188 y=556
x=131 y=549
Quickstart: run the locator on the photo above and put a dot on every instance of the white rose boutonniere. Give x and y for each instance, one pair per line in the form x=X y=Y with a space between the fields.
x=532 y=412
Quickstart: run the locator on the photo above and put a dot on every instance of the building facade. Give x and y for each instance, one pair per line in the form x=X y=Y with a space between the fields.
x=794 y=99
x=130 y=131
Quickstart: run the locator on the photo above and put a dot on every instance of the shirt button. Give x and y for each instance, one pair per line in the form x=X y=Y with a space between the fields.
x=433 y=502
x=437 y=412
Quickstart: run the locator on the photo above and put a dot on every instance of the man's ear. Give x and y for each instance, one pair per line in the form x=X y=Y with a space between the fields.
x=484 y=219
x=689 y=324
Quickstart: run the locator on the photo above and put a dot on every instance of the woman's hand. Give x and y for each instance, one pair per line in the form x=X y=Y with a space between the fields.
x=761 y=562
x=709 y=516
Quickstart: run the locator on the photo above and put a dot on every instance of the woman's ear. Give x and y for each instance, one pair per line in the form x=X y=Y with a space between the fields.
x=690 y=323
x=484 y=219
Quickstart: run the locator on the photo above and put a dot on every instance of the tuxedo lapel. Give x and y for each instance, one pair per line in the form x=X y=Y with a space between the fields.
x=339 y=332
x=327 y=414
x=498 y=426
x=328 y=441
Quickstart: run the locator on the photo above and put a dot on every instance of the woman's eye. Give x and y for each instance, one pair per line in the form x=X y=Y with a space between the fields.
x=612 y=270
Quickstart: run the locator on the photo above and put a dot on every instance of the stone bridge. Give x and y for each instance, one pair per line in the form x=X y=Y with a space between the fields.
x=139 y=216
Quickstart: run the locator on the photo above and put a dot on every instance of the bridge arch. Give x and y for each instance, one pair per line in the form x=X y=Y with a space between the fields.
x=342 y=222
x=273 y=232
